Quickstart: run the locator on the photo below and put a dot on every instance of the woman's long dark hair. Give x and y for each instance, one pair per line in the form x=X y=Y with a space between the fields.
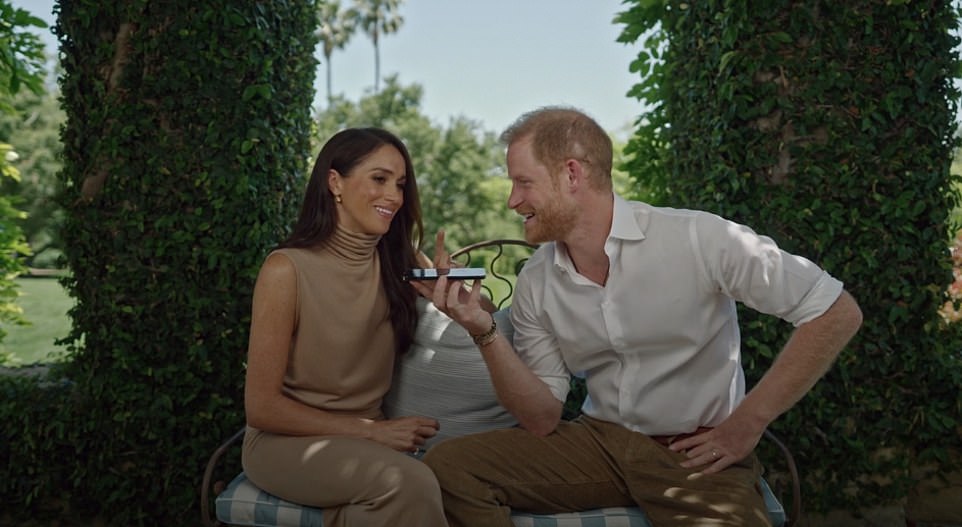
x=397 y=248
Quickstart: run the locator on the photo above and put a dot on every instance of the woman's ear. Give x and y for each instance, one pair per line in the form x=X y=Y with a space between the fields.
x=334 y=182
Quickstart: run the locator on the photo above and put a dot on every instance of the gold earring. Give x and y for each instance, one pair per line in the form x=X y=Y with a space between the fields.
x=337 y=198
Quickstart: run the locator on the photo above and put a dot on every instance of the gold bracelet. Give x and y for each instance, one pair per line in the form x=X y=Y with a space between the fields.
x=487 y=337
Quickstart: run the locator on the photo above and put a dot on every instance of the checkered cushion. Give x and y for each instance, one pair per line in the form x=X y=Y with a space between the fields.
x=608 y=517
x=243 y=504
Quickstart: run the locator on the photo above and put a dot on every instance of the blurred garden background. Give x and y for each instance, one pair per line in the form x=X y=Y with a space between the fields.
x=153 y=153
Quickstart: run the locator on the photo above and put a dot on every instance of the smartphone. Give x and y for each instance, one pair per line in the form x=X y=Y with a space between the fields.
x=455 y=273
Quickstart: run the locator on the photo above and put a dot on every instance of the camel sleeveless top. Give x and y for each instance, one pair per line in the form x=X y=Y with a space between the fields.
x=342 y=352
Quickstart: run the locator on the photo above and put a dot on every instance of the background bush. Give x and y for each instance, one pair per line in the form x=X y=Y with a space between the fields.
x=830 y=128
x=185 y=152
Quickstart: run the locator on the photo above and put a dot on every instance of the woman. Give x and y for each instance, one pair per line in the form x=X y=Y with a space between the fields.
x=330 y=314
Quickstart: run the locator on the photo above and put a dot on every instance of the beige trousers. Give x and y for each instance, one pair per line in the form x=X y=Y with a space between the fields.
x=358 y=483
x=587 y=464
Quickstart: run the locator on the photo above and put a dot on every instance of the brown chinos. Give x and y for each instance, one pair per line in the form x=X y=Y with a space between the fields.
x=588 y=464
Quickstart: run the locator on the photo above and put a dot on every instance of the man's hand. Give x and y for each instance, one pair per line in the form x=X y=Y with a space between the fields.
x=807 y=355
x=463 y=305
x=728 y=443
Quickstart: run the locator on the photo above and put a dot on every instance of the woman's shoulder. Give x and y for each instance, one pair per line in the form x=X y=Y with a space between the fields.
x=277 y=274
x=277 y=265
x=297 y=256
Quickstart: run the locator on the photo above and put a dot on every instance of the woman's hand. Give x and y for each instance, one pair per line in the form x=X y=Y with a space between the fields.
x=404 y=434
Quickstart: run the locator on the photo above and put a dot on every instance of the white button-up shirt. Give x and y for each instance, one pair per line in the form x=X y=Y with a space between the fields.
x=659 y=344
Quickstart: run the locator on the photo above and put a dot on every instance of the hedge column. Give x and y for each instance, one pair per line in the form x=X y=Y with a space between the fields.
x=185 y=151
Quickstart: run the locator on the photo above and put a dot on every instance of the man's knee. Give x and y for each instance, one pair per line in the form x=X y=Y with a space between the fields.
x=461 y=461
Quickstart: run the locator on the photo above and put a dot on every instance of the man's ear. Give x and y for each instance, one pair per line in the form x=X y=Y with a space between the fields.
x=334 y=182
x=575 y=172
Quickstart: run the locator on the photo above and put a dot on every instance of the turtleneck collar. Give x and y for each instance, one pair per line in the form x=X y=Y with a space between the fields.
x=353 y=246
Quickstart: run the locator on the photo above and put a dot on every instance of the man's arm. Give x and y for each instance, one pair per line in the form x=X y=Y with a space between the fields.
x=807 y=355
x=519 y=390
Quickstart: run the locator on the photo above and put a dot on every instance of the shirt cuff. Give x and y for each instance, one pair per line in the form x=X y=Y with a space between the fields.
x=821 y=297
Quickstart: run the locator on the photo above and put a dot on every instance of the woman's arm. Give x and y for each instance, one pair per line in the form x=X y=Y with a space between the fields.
x=273 y=321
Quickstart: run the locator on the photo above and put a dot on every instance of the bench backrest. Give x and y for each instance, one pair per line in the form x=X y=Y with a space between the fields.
x=502 y=259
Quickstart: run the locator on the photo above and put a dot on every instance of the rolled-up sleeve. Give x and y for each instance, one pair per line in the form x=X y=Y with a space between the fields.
x=753 y=270
x=534 y=343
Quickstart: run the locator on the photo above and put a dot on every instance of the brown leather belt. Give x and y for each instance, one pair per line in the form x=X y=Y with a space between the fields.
x=667 y=440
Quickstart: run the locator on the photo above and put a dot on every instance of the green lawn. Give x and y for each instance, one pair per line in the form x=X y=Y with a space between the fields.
x=45 y=305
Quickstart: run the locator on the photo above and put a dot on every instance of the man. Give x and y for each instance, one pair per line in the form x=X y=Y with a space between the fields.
x=639 y=300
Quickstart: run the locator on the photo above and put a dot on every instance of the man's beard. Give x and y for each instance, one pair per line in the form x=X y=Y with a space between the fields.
x=552 y=222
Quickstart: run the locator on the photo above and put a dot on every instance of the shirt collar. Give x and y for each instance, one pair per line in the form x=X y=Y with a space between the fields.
x=627 y=223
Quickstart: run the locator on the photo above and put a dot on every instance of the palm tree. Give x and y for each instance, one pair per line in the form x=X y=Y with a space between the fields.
x=335 y=29
x=376 y=18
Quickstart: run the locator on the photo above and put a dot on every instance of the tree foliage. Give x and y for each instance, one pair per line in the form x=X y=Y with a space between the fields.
x=336 y=26
x=21 y=53
x=829 y=127
x=377 y=18
x=13 y=248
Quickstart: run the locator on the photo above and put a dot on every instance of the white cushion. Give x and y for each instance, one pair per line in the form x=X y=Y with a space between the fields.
x=443 y=376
